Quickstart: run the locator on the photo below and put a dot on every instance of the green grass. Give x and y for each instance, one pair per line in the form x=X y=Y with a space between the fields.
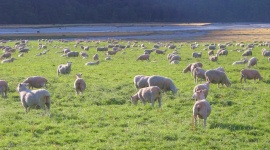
x=104 y=118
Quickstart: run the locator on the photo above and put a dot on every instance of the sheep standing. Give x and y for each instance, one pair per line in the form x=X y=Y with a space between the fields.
x=79 y=84
x=160 y=51
x=96 y=57
x=205 y=87
x=143 y=57
x=148 y=94
x=201 y=108
x=198 y=72
x=213 y=58
x=252 y=62
x=140 y=81
x=190 y=67
x=34 y=98
x=217 y=77
x=247 y=53
x=5 y=55
x=250 y=74
x=3 y=88
x=164 y=83
x=36 y=82
x=223 y=52
x=64 y=68
x=197 y=55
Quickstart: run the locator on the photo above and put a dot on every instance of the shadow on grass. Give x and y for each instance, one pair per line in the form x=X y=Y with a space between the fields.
x=231 y=127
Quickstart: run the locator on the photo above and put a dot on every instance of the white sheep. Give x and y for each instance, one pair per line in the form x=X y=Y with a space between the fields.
x=243 y=61
x=3 y=88
x=217 y=77
x=34 y=98
x=198 y=72
x=205 y=87
x=140 y=81
x=148 y=94
x=8 y=60
x=79 y=84
x=252 y=62
x=36 y=82
x=250 y=74
x=201 y=108
x=92 y=63
x=64 y=68
x=164 y=83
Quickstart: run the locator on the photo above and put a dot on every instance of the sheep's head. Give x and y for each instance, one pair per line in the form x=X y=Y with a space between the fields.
x=199 y=95
x=21 y=87
x=134 y=99
x=79 y=75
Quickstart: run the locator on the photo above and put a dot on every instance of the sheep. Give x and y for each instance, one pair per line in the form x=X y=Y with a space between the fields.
x=108 y=58
x=34 y=98
x=140 y=81
x=243 y=61
x=91 y=63
x=198 y=72
x=148 y=94
x=197 y=55
x=222 y=46
x=212 y=47
x=148 y=51
x=210 y=52
x=265 y=52
x=3 y=88
x=64 y=68
x=84 y=54
x=223 y=52
x=220 y=69
x=175 y=57
x=36 y=82
x=102 y=49
x=191 y=66
x=213 y=58
x=143 y=57
x=163 y=83
x=72 y=54
x=23 y=50
x=175 y=62
x=111 y=52
x=247 y=53
x=160 y=51
x=217 y=77
x=5 y=55
x=8 y=60
x=250 y=74
x=79 y=84
x=201 y=108
x=96 y=57
x=252 y=62
x=205 y=87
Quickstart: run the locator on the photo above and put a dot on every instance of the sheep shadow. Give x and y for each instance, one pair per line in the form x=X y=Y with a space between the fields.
x=231 y=127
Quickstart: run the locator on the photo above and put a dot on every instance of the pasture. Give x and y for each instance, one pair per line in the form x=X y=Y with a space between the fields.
x=103 y=117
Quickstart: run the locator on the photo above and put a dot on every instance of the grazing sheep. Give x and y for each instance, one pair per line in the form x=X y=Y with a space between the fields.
x=34 y=98
x=210 y=52
x=102 y=49
x=84 y=54
x=212 y=47
x=148 y=94
x=64 y=68
x=163 y=83
x=213 y=58
x=143 y=57
x=197 y=55
x=205 y=87
x=247 y=53
x=5 y=55
x=252 y=62
x=250 y=74
x=140 y=81
x=79 y=84
x=111 y=52
x=201 y=108
x=23 y=50
x=72 y=54
x=160 y=51
x=36 y=82
x=198 y=72
x=265 y=52
x=190 y=67
x=3 y=88
x=243 y=61
x=223 y=52
x=148 y=51
x=217 y=77
x=175 y=57
x=96 y=57
x=8 y=60
x=92 y=63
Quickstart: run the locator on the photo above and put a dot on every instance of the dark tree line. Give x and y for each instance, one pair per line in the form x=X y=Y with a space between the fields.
x=132 y=11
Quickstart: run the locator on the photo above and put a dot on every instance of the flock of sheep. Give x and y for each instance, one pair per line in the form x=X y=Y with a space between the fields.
x=149 y=88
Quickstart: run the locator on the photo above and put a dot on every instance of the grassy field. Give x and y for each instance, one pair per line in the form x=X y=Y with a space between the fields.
x=104 y=118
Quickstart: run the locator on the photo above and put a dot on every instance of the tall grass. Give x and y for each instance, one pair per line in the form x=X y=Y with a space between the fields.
x=104 y=118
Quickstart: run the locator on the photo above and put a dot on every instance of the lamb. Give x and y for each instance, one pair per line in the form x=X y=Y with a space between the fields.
x=197 y=55
x=250 y=74
x=79 y=84
x=5 y=55
x=201 y=108
x=198 y=72
x=64 y=68
x=247 y=53
x=217 y=77
x=91 y=63
x=205 y=87
x=8 y=60
x=243 y=61
x=143 y=57
x=34 y=98
x=96 y=57
x=3 y=88
x=148 y=94
x=36 y=82
x=252 y=62
x=163 y=83
x=140 y=81
x=213 y=58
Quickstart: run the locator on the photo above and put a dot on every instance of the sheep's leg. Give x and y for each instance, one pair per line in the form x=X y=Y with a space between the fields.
x=159 y=102
x=152 y=101
x=204 y=122
x=245 y=79
x=194 y=120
